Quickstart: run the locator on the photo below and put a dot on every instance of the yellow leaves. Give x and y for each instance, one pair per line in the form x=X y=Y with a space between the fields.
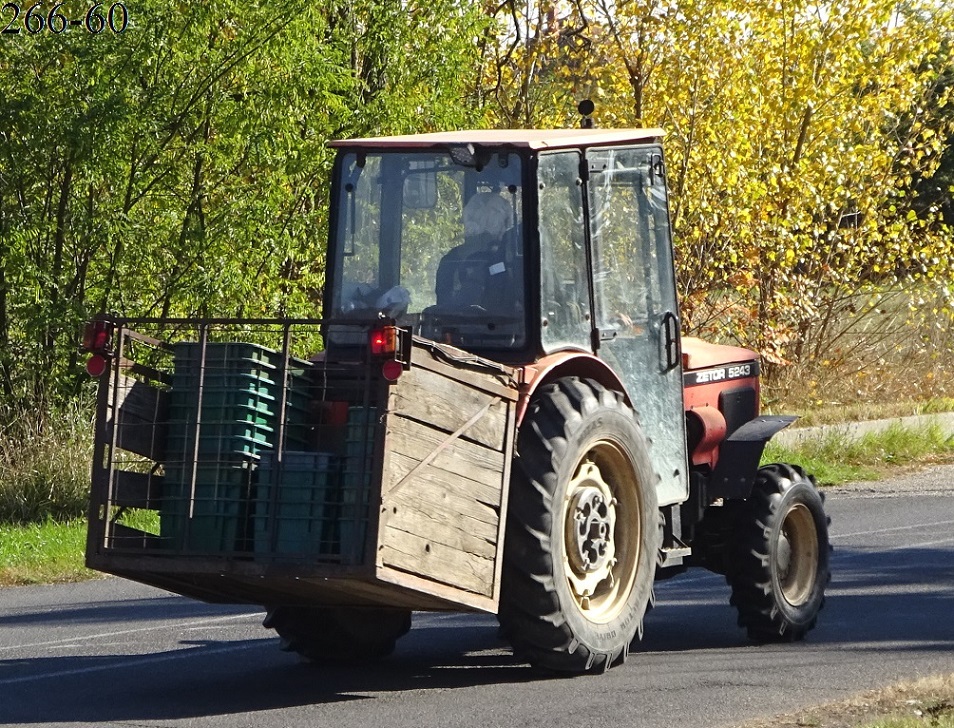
x=764 y=195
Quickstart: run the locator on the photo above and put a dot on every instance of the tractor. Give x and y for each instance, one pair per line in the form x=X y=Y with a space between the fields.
x=494 y=412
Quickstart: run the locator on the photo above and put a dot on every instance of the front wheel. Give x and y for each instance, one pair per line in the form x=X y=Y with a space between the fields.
x=582 y=530
x=779 y=566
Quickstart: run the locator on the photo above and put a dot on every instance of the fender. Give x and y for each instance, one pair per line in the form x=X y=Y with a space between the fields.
x=739 y=456
x=564 y=364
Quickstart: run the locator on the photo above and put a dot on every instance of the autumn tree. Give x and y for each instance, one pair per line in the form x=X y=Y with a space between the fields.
x=794 y=133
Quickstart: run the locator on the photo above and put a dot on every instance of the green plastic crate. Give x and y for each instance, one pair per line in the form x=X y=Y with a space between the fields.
x=219 y=510
x=227 y=363
x=351 y=500
x=290 y=516
x=238 y=421
x=239 y=400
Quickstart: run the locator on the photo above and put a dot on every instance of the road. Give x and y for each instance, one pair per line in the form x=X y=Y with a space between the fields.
x=113 y=653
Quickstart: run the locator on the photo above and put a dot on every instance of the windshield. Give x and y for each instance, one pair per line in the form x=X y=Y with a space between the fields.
x=432 y=242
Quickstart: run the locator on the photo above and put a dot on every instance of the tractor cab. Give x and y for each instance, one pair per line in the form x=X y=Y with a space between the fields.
x=544 y=249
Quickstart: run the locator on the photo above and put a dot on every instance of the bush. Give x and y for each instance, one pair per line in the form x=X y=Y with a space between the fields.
x=45 y=458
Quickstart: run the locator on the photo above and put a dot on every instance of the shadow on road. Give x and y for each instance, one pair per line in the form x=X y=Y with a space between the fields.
x=894 y=602
x=222 y=678
x=113 y=612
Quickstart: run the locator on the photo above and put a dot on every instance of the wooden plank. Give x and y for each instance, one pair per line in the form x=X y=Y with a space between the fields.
x=452 y=533
x=439 y=562
x=137 y=400
x=454 y=494
x=137 y=490
x=508 y=457
x=468 y=460
x=434 y=501
x=441 y=495
x=140 y=417
x=147 y=440
x=442 y=403
x=455 y=599
x=502 y=380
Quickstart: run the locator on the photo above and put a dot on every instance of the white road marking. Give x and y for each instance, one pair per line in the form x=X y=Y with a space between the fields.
x=124 y=664
x=910 y=527
x=175 y=625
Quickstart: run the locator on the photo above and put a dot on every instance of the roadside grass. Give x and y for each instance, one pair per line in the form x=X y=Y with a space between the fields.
x=43 y=553
x=837 y=412
x=924 y=703
x=45 y=457
x=835 y=457
x=53 y=551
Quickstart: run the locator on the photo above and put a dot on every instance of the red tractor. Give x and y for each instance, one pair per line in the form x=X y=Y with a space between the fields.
x=503 y=418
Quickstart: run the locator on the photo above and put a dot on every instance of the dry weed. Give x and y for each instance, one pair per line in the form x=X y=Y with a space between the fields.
x=928 y=699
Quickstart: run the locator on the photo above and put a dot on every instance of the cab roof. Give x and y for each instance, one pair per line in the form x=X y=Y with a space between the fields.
x=527 y=138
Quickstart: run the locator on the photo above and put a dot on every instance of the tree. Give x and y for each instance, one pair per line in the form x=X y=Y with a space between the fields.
x=179 y=167
x=794 y=133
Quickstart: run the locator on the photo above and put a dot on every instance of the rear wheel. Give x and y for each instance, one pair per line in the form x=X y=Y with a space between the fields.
x=582 y=530
x=780 y=557
x=338 y=633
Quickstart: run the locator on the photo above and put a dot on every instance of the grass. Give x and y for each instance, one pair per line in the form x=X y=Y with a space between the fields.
x=45 y=461
x=43 y=553
x=834 y=413
x=924 y=703
x=837 y=458
x=52 y=551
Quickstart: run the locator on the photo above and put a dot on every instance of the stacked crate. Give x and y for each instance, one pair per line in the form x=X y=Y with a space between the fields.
x=317 y=504
x=223 y=415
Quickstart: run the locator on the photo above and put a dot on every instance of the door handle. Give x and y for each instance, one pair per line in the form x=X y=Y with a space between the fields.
x=671 y=342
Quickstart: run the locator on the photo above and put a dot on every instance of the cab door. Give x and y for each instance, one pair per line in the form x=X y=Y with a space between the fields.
x=635 y=311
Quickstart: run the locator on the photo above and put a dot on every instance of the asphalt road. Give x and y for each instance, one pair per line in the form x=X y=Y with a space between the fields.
x=113 y=653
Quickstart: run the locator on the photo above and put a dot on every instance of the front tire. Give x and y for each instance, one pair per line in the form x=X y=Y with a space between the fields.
x=780 y=557
x=582 y=530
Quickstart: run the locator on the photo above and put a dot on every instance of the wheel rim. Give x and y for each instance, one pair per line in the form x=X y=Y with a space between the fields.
x=601 y=532
x=796 y=555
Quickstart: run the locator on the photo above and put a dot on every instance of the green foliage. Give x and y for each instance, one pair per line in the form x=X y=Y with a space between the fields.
x=45 y=463
x=837 y=458
x=180 y=167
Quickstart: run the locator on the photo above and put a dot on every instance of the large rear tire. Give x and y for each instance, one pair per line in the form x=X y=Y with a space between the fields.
x=780 y=556
x=582 y=530
x=338 y=633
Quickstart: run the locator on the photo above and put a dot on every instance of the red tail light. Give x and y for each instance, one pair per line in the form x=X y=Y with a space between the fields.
x=391 y=370
x=97 y=335
x=384 y=341
x=391 y=344
x=96 y=366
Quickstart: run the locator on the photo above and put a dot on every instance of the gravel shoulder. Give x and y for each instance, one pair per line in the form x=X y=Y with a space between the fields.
x=935 y=480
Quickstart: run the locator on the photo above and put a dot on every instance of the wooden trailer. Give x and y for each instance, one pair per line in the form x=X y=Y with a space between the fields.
x=244 y=473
